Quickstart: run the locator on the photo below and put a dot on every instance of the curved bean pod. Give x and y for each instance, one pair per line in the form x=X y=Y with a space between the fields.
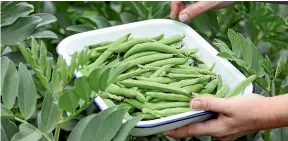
x=173 y=61
x=101 y=49
x=151 y=47
x=183 y=71
x=210 y=87
x=111 y=96
x=163 y=80
x=222 y=91
x=158 y=37
x=140 y=54
x=116 y=90
x=127 y=45
x=241 y=86
x=188 y=50
x=139 y=96
x=130 y=74
x=104 y=43
x=107 y=53
x=153 y=86
x=169 y=96
x=186 y=76
x=160 y=70
x=166 y=112
x=172 y=39
x=194 y=88
x=183 y=83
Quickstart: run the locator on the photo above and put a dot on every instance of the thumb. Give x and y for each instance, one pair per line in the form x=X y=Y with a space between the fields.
x=212 y=104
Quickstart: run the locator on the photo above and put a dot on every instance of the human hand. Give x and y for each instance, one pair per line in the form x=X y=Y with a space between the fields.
x=237 y=117
x=186 y=13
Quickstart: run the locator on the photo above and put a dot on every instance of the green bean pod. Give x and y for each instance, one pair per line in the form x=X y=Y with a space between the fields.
x=194 y=88
x=172 y=61
x=126 y=105
x=188 y=50
x=104 y=43
x=155 y=100
x=127 y=45
x=147 y=59
x=203 y=66
x=222 y=91
x=153 y=86
x=145 y=116
x=183 y=71
x=186 y=76
x=101 y=49
x=163 y=80
x=166 y=112
x=110 y=96
x=160 y=70
x=158 y=37
x=95 y=54
x=107 y=53
x=139 y=96
x=212 y=66
x=194 y=95
x=164 y=105
x=210 y=87
x=172 y=39
x=151 y=47
x=131 y=74
x=241 y=86
x=187 y=82
x=195 y=57
x=116 y=90
x=168 y=96
x=140 y=54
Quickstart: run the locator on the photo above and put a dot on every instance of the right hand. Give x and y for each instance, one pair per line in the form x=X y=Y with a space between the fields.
x=185 y=13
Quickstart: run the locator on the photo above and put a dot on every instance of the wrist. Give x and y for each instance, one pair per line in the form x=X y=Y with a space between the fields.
x=277 y=107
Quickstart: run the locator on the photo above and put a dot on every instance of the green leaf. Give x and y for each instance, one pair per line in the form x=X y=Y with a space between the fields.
x=161 y=9
x=126 y=128
x=4 y=68
x=137 y=7
x=82 y=88
x=262 y=82
x=44 y=34
x=34 y=47
x=93 y=80
x=10 y=14
x=100 y=21
x=26 y=133
x=78 y=130
x=94 y=130
x=5 y=112
x=79 y=28
x=235 y=42
x=69 y=100
x=10 y=83
x=8 y=129
x=46 y=18
x=279 y=134
x=256 y=59
x=27 y=94
x=281 y=65
x=127 y=17
x=285 y=82
x=16 y=57
x=226 y=55
x=246 y=50
x=222 y=46
x=49 y=114
x=19 y=31
x=284 y=90
x=266 y=62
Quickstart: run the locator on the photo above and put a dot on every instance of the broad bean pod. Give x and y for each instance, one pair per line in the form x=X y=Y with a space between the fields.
x=168 y=96
x=210 y=87
x=194 y=88
x=173 y=61
x=241 y=86
x=163 y=80
x=172 y=39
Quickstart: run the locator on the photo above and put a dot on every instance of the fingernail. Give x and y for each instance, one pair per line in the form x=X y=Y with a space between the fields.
x=196 y=104
x=183 y=17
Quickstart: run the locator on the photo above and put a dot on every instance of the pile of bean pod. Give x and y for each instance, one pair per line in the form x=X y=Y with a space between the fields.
x=161 y=76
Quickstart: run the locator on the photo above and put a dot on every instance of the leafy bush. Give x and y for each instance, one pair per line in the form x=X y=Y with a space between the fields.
x=38 y=91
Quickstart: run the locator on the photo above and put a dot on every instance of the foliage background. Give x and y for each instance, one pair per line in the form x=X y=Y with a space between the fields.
x=265 y=24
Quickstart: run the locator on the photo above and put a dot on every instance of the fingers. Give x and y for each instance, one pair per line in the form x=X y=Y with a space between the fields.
x=176 y=6
x=196 y=9
x=213 y=104
x=195 y=129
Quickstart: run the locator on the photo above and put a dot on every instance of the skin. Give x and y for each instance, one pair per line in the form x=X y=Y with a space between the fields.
x=178 y=8
x=233 y=120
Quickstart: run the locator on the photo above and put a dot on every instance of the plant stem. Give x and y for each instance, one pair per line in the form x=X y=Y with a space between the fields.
x=57 y=132
x=43 y=134
x=267 y=135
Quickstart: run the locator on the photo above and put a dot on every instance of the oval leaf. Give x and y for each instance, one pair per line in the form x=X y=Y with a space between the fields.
x=26 y=133
x=82 y=88
x=5 y=112
x=78 y=130
x=8 y=129
x=10 y=84
x=19 y=31
x=126 y=128
x=79 y=28
x=44 y=34
x=46 y=18
x=48 y=114
x=94 y=130
x=69 y=100
x=27 y=93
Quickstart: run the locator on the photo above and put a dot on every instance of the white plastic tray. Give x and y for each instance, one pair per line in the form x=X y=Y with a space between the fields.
x=149 y=28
